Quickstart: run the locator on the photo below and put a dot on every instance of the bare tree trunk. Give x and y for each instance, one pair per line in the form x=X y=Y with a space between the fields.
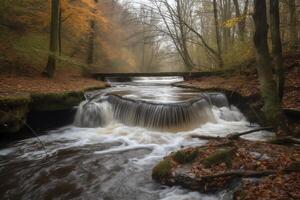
x=272 y=107
x=242 y=22
x=218 y=36
x=60 y=31
x=226 y=14
x=54 y=34
x=277 y=45
x=183 y=38
x=91 y=44
x=91 y=40
x=293 y=24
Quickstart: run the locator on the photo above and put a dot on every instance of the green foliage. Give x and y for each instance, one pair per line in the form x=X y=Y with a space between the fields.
x=185 y=156
x=239 y=52
x=32 y=48
x=162 y=170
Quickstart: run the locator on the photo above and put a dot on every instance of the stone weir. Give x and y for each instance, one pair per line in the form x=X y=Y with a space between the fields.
x=98 y=112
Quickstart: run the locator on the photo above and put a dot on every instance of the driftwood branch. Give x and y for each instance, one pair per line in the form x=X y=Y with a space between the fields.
x=287 y=140
x=196 y=183
x=232 y=136
x=241 y=174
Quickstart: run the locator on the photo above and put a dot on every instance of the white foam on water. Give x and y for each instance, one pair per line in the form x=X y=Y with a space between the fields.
x=156 y=143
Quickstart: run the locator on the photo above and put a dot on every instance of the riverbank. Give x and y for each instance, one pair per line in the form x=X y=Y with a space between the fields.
x=250 y=169
x=35 y=96
x=242 y=90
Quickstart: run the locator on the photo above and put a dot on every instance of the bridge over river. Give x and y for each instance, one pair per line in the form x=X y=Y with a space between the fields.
x=185 y=75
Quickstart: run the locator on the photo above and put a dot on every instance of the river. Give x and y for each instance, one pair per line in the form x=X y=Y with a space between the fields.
x=113 y=159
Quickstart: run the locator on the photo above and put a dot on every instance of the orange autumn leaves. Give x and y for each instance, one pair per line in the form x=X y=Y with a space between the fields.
x=30 y=21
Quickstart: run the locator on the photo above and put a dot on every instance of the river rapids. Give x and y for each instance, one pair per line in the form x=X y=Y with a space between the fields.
x=118 y=135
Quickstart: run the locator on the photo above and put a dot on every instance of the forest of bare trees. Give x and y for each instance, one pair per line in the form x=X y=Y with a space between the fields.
x=209 y=34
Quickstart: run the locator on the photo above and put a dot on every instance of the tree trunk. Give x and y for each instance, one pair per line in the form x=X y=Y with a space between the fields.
x=277 y=46
x=293 y=24
x=242 y=22
x=226 y=14
x=91 y=44
x=91 y=39
x=54 y=35
x=183 y=37
x=218 y=36
x=60 y=31
x=272 y=107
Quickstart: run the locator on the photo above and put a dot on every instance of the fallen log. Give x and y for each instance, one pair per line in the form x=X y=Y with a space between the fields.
x=290 y=112
x=210 y=183
x=232 y=136
x=285 y=141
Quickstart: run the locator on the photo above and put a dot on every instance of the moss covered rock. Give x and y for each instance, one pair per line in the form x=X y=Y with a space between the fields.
x=13 y=112
x=219 y=156
x=162 y=170
x=55 y=101
x=183 y=157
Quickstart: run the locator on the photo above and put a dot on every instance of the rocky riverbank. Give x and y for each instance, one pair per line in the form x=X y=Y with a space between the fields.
x=248 y=168
x=24 y=99
x=242 y=90
x=267 y=170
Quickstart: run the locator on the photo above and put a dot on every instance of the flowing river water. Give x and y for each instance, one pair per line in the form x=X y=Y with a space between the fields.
x=119 y=134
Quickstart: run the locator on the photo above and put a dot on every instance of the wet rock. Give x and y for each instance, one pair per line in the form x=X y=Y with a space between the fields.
x=43 y=108
x=217 y=167
x=13 y=112
x=55 y=101
x=163 y=171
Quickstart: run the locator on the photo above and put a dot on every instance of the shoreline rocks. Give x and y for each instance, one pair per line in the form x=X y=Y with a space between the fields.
x=15 y=109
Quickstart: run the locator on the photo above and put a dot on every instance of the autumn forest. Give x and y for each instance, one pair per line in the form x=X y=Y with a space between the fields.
x=150 y=99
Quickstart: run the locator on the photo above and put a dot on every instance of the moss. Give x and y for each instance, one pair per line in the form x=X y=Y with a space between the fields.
x=55 y=101
x=240 y=195
x=219 y=156
x=13 y=112
x=7 y=102
x=31 y=45
x=96 y=87
x=183 y=157
x=162 y=170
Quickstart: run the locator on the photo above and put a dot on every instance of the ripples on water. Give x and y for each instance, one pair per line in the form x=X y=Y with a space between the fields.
x=113 y=162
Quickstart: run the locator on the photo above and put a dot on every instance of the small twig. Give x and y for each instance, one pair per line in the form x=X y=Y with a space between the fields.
x=33 y=132
x=37 y=137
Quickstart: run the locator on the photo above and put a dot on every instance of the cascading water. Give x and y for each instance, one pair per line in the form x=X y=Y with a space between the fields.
x=172 y=116
x=120 y=133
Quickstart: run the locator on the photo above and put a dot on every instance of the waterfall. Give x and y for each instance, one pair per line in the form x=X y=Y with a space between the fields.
x=100 y=111
x=93 y=114
x=218 y=99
